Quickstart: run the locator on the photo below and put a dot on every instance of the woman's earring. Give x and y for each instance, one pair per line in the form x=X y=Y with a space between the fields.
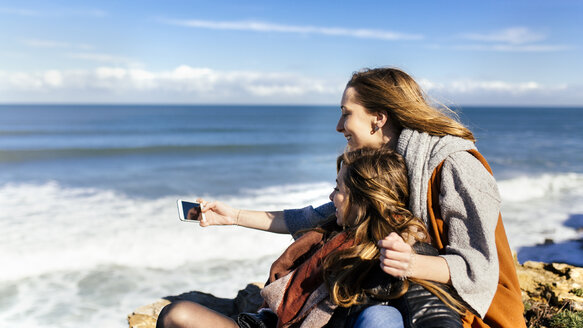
x=374 y=130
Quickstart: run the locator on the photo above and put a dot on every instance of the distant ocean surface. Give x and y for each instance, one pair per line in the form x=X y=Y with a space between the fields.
x=88 y=222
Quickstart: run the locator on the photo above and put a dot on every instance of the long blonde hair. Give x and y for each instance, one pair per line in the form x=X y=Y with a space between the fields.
x=393 y=91
x=377 y=189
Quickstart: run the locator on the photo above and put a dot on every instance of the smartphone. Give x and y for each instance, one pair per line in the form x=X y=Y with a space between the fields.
x=185 y=206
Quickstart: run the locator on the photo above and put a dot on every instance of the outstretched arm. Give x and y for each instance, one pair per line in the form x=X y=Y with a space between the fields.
x=287 y=221
x=218 y=213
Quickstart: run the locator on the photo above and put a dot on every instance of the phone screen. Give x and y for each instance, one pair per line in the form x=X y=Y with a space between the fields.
x=187 y=206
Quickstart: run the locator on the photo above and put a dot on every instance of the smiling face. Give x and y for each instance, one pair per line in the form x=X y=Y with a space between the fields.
x=344 y=214
x=357 y=123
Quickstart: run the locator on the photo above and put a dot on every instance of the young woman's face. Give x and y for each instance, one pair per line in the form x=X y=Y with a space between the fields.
x=356 y=123
x=340 y=198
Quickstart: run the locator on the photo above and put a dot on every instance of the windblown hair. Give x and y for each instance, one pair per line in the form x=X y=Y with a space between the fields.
x=393 y=91
x=377 y=189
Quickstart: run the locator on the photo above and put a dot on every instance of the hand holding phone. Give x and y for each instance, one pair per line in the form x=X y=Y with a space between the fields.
x=190 y=211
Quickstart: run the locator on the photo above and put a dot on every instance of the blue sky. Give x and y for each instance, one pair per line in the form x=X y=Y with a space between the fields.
x=292 y=52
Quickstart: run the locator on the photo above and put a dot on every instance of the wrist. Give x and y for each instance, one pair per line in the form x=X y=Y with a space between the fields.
x=237 y=217
x=410 y=273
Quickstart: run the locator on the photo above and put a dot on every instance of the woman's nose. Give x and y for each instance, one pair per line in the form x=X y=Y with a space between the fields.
x=331 y=196
x=340 y=125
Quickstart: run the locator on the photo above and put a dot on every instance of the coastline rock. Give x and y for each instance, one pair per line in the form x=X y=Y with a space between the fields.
x=556 y=284
x=552 y=287
x=145 y=316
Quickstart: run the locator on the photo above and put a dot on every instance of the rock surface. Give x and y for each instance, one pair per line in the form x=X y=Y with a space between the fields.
x=553 y=286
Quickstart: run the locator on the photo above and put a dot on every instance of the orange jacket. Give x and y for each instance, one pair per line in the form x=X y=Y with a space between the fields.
x=506 y=310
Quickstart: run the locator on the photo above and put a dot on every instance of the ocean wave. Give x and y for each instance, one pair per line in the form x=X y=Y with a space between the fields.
x=540 y=208
x=528 y=188
x=47 y=228
x=92 y=248
x=50 y=228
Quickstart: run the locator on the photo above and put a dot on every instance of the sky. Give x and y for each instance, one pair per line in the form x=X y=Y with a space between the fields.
x=526 y=53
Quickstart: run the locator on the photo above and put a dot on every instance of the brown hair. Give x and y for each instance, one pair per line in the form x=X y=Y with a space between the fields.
x=377 y=189
x=393 y=91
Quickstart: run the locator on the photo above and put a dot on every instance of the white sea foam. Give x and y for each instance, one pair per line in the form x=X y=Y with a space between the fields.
x=544 y=186
x=86 y=256
x=47 y=228
x=537 y=208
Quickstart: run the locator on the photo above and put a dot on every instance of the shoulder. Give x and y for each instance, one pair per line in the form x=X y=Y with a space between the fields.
x=463 y=171
x=449 y=146
x=463 y=161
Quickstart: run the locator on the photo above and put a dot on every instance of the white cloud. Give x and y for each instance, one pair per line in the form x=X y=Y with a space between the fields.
x=183 y=83
x=53 y=78
x=186 y=84
x=513 y=35
x=102 y=57
x=110 y=73
x=257 y=26
x=515 y=47
x=22 y=81
x=477 y=86
x=514 y=39
x=37 y=43
x=498 y=92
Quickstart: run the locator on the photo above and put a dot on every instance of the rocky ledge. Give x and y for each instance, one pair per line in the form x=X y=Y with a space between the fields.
x=552 y=295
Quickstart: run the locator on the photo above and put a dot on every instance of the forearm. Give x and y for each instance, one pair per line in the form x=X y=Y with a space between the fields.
x=429 y=267
x=260 y=220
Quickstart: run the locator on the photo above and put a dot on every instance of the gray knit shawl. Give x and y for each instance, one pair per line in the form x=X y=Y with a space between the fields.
x=469 y=203
x=423 y=153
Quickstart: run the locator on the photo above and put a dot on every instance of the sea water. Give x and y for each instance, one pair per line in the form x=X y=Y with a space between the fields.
x=89 y=228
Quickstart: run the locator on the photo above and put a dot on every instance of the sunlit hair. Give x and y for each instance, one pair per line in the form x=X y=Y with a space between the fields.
x=393 y=91
x=377 y=190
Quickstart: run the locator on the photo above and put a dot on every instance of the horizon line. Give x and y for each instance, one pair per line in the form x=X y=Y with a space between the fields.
x=453 y=106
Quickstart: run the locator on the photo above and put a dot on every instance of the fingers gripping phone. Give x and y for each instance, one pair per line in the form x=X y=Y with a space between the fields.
x=190 y=211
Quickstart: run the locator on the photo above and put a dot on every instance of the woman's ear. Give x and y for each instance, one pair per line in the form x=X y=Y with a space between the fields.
x=381 y=119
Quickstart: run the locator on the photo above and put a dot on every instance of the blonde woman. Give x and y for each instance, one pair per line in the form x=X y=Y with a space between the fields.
x=450 y=188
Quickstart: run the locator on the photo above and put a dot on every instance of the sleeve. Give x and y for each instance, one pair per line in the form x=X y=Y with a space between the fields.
x=470 y=206
x=307 y=217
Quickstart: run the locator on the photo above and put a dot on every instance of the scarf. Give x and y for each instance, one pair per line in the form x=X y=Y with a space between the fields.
x=296 y=291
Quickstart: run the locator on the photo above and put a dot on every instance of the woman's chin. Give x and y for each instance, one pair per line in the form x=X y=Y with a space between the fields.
x=350 y=146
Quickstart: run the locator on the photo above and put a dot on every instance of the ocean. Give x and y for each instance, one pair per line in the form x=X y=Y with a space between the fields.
x=89 y=229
